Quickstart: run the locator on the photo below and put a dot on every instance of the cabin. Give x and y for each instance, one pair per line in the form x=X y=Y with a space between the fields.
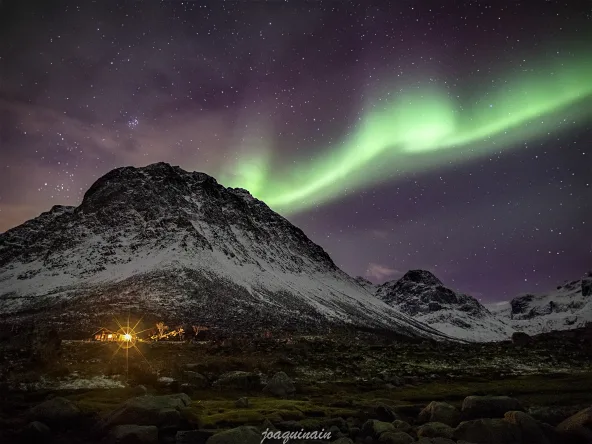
x=105 y=335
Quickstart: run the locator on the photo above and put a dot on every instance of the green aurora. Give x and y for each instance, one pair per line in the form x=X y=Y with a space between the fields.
x=421 y=130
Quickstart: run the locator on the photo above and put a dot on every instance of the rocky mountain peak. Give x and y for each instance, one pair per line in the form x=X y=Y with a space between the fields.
x=421 y=277
x=180 y=246
x=419 y=293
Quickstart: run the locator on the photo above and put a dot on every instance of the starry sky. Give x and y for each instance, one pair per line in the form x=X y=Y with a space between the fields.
x=449 y=136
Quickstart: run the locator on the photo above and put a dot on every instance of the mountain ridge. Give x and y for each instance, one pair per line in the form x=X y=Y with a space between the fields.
x=567 y=307
x=420 y=294
x=177 y=244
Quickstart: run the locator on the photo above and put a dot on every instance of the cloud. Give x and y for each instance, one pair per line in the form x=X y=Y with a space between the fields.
x=381 y=272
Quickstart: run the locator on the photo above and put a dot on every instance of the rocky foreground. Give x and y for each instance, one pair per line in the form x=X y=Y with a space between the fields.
x=337 y=388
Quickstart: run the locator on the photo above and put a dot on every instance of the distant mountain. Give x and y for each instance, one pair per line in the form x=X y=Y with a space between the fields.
x=567 y=307
x=422 y=295
x=164 y=243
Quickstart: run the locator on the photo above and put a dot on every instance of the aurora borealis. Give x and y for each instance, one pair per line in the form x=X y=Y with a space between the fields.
x=455 y=138
x=419 y=131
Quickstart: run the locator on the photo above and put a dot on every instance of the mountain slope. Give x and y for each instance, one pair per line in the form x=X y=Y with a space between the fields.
x=422 y=295
x=567 y=307
x=161 y=242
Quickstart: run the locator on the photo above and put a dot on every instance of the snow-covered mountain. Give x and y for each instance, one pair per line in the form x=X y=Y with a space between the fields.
x=366 y=284
x=568 y=306
x=159 y=241
x=422 y=295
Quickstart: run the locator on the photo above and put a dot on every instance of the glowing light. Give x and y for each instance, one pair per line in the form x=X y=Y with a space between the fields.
x=425 y=128
x=126 y=336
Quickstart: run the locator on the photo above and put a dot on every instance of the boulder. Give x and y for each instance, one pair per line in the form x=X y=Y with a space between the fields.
x=579 y=425
x=169 y=418
x=193 y=436
x=238 y=435
x=395 y=438
x=391 y=378
x=435 y=430
x=384 y=413
x=488 y=431
x=375 y=428
x=280 y=385
x=133 y=434
x=196 y=380
x=36 y=432
x=58 y=412
x=553 y=415
x=439 y=412
x=474 y=407
x=555 y=436
x=529 y=427
x=160 y=411
x=521 y=338
x=338 y=422
x=402 y=426
x=238 y=380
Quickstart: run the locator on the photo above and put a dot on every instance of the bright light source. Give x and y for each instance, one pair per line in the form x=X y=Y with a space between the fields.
x=127 y=337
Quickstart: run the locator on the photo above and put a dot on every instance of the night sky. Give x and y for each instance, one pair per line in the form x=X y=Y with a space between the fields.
x=449 y=136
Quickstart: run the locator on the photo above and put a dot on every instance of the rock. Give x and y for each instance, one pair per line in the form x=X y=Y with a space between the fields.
x=197 y=380
x=439 y=412
x=553 y=415
x=239 y=381
x=59 y=412
x=36 y=432
x=474 y=407
x=169 y=418
x=435 y=430
x=238 y=435
x=133 y=434
x=488 y=431
x=586 y=287
x=390 y=378
x=280 y=385
x=375 y=428
x=402 y=426
x=531 y=432
x=242 y=403
x=555 y=436
x=310 y=425
x=395 y=438
x=338 y=422
x=521 y=338
x=267 y=425
x=384 y=413
x=408 y=411
x=579 y=424
x=160 y=411
x=193 y=436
